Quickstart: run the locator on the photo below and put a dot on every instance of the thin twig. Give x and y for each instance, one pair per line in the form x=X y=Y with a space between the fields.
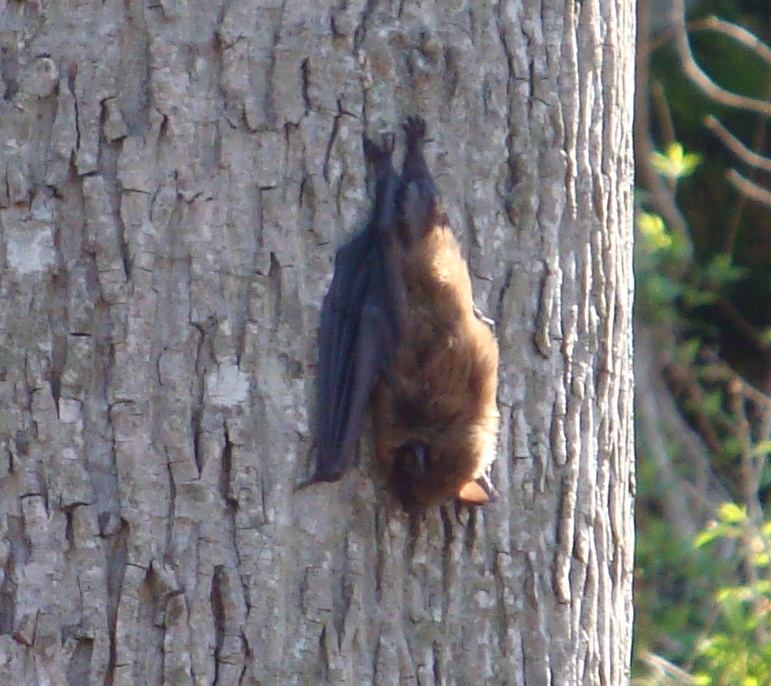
x=734 y=222
x=738 y=148
x=666 y=124
x=718 y=370
x=750 y=484
x=665 y=115
x=700 y=79
x=661 y=198
x=666 y=669
x=749 y=188
x=662 y=427
x=746 y=38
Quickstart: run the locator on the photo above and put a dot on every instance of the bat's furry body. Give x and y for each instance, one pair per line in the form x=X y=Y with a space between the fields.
x=420 y=343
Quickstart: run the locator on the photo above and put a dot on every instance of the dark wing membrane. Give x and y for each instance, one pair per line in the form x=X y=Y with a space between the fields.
x=358 y=331
x=357 y=336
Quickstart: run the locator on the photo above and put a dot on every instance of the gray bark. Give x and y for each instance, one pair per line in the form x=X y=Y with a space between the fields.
x=174 y=179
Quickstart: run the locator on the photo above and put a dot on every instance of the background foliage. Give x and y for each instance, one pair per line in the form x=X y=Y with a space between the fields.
x=703 y=261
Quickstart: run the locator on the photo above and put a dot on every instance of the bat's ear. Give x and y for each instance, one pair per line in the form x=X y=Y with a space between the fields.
x=477 y=492
x=471 y=493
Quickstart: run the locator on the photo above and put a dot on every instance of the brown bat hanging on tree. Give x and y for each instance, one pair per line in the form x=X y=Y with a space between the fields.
x=399 y=330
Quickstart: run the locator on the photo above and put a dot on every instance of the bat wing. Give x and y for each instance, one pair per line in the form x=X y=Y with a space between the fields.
x=358 y=330
x=357 y=339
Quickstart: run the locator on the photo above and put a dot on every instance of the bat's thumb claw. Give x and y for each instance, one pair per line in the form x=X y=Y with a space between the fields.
x=482 y=318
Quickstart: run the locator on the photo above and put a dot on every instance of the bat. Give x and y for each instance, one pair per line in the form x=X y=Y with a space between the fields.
x=399 y=330
x=435 y=414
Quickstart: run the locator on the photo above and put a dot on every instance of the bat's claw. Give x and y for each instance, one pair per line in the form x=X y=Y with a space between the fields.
x=481 y=317
x=414 y=129
x=378 y=156
x=487 y=486
x=379 y=153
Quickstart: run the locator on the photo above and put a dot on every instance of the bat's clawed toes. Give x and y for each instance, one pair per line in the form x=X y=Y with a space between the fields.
x=414 y=129
x=379 y=153
x=389 y=143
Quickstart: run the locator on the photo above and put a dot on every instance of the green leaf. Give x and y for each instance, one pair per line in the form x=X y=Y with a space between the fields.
x=654 y=230
x=688 y=350
x=731 y=513
x=721 y=270
x=762 y=448
x=696 y=297
x=763 y=587
x=708 y=535
x=675 y=163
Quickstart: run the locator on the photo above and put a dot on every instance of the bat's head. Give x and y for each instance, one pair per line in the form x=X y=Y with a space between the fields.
x=421 y=478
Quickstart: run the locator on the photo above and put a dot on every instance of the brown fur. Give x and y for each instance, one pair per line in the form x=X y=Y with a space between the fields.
x=441 y=390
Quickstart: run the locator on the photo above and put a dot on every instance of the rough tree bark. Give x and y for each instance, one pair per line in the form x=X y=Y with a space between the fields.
x=174 y=179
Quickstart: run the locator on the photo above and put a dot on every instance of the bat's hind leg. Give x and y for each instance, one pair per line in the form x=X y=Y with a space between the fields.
x=379 y=154
x=419 y=203
x=378 y=158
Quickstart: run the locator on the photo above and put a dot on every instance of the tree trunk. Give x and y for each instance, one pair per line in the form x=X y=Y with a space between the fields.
x=174 y=181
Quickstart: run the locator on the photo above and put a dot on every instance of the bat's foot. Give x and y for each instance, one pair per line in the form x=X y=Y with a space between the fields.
x=414 y=129
x=379 y=154
x=378 y=159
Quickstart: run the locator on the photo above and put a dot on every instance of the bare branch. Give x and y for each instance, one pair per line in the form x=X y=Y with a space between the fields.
x=734 y=222
x=701 y=79
x=669 y=673
x=662 y=199
x=746 y=38
x=687 y=502
x=749 y=188
x=664 y=113
x=731 y=142
x=667 y=125
x=720 y=370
